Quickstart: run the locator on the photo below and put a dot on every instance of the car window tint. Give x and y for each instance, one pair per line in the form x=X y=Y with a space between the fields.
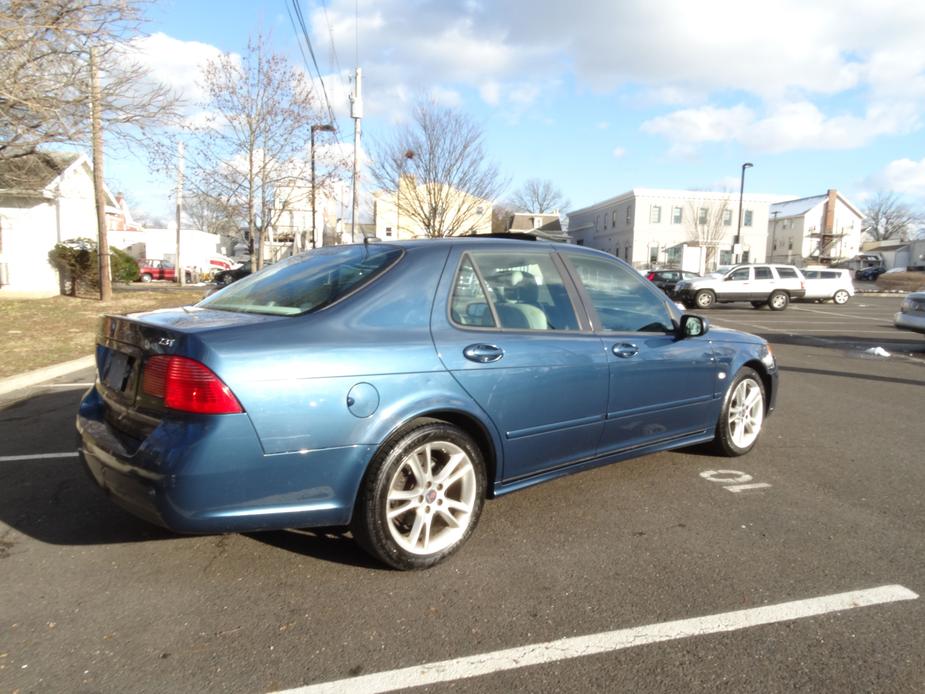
x=306 y=282
x=763 y=273
x=739 y=275
x=811 y=274
x=828 y=275
x=469 y=305
x=623 y=301
x=526 y=291
x=786 y=272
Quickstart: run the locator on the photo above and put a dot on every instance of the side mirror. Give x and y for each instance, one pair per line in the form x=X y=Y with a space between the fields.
x=693 y=326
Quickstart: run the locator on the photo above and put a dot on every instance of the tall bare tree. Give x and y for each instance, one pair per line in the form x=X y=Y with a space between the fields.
x=888 y=217
x=707 y=226
x=539 y=196
x=45 y=74
x=438 y=171
x=209 y=213
x=250 y=155
x=501 y=217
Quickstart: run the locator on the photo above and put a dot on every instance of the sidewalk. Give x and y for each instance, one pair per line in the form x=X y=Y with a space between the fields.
x=31 y=378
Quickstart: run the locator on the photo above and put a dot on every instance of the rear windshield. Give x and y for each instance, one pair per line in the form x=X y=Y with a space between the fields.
x=306 y=282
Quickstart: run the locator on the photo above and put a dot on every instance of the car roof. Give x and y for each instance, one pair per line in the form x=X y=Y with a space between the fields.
x=486 y=242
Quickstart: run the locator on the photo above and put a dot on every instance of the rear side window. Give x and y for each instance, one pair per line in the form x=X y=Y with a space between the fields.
x=829 y=275
x=763 y=273
x=516 y=291
x=787 y=272
x=306 y=282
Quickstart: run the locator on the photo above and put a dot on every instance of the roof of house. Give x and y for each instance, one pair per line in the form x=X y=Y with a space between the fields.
x=523 y=221
x=34 y=172
x=795 y=208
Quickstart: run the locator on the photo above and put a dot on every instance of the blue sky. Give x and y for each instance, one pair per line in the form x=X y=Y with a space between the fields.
x=604 y=96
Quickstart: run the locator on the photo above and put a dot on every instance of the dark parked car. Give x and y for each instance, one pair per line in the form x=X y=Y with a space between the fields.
x=225 y=277
x=394 y=387
x=667 y=279
x=869 y=273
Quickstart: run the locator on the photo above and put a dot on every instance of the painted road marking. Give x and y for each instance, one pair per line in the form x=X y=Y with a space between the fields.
x=733 y=480
x=592 y=644
x=839 y=314
x=36 y=456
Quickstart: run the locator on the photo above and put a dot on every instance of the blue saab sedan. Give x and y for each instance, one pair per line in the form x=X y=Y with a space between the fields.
x=394 y=387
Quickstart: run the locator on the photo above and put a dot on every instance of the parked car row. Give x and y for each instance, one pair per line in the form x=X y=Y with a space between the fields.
x=771 y=285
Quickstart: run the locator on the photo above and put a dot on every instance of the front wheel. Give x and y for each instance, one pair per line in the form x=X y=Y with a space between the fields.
x=704 y=298
x=742 y=415
x=421 y=497
x=778 y=301
x=841 y=297
x=146 y=277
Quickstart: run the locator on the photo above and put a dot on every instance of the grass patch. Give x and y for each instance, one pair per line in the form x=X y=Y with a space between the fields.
x=903 y=281
x=41 y=332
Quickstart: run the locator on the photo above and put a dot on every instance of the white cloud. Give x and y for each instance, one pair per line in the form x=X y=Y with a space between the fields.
x=490 y=93
x=175 y=63
x=618 y=152
x=903 y=176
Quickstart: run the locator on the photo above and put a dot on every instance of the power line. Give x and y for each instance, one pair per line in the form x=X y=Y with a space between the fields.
x=305 y=35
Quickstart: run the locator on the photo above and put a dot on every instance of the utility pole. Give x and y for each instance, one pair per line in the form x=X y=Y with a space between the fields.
x=736 y=245
x=99 y=193
x=181 y=275
x=356 y=112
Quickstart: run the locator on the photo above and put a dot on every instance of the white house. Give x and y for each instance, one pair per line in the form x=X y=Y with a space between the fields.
x=822 y=229
x=650 y=226
x=45 y=198
x=468 y=213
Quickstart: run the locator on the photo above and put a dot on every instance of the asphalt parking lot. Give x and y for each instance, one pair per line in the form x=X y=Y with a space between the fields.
x=797 y=567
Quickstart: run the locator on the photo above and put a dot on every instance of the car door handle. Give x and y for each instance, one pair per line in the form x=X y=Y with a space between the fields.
x=482 y=353
x=625 y=350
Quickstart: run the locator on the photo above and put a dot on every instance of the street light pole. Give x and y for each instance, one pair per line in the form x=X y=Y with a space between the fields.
x=738 y=237
x=325 y=127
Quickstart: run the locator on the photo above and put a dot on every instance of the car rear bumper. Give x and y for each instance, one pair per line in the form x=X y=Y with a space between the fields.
x=906 y=321
x=209 y=474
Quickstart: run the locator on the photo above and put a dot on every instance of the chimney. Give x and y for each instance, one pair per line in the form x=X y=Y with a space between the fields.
x=828 y=222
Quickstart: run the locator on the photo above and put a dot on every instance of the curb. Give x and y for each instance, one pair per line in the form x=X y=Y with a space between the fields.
x=31 y=378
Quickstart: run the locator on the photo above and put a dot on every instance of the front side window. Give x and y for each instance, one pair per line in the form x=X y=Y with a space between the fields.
x=623 y=300
x=739 y=275
x=748 y=218
x=306 y=282
x=522 y=291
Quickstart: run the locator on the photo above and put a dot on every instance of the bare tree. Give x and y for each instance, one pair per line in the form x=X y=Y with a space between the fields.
x=249 y=156
x=540 y=197
x=438 y=171
x=501 y=217
x=209 y=213
x=707 y=226
x=45 y=50
x=887 y=217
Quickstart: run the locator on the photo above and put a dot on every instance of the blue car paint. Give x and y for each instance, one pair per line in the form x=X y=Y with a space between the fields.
x=296 y=456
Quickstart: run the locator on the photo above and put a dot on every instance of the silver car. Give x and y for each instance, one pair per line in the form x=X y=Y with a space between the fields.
x=911 y=315
x=828 y=284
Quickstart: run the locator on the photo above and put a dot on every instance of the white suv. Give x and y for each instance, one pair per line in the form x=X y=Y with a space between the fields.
x=771 y=285
x=822 y=285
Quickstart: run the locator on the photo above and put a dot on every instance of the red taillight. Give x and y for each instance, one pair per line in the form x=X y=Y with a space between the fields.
x=185 y=384
x=650 y=276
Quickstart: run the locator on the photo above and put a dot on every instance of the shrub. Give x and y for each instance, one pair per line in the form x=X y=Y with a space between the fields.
x=77 y=261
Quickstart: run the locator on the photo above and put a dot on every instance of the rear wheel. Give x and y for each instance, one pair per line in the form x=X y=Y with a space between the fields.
x=421 y=497
x=704 y=298
x=742 y=415
x=841 y=297
x=778 y=301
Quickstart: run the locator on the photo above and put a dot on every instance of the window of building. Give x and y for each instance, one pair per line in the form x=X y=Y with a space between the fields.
x=748 y=218
x=725 y=257
x=388 y=231
x=702 y=215
x=653 y=255
x=537 y=222
x=727 y=218
x=677 y=215
x=613 y=217
x=789 y=244
x=655 y=214
x=629 y=214
x=626 y=252
x=745 y=256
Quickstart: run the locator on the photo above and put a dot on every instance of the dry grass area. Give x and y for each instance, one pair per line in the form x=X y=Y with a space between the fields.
x=42 y=332
x=904 y=281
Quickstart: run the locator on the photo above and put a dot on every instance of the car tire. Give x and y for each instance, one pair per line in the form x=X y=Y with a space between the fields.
x=742 y=415
x=704 y=298
x=146 y=277
x=841 y=297
x=405 y=499
x=759 y=304
x=778 y=300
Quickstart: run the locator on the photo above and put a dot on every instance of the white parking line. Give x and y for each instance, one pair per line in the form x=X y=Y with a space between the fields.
x=581 y=646
x=839 y=314
x=37 y=456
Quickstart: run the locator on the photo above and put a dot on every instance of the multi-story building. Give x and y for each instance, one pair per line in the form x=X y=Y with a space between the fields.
x=651 y=226
x=820 y=229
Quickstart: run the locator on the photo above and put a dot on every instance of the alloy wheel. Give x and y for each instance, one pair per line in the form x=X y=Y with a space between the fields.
x=746 y=413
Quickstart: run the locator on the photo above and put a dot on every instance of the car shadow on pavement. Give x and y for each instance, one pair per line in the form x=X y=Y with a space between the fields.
x=903 y=343
x=335 y=545
x=851 y=374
